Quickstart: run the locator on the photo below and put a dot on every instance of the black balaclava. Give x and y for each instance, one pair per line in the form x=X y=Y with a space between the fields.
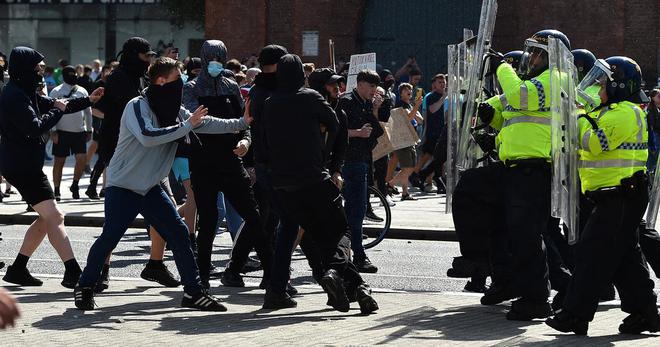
x=69 y=75
x=22 y=61
x=130 y=59
x=290 y=74
x=165 y=101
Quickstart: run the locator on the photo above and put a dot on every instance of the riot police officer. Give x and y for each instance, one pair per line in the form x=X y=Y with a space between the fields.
x=612 y=171
x=524 y=146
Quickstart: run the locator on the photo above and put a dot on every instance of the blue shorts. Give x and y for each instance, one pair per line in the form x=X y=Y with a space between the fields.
x=181 y=169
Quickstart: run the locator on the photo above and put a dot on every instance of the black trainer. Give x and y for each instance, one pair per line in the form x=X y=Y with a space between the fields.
x=203 y=302
x=523 y=310
x=333 y=285
x=291 y=290
x=497 y=294
x=363 y=264
x=567 y=323
x=92 y=194
x=22 y=277
x=637 y=323
x=278 y=301
x=84 y=298
x=103 y=282
x=367 y=303
x=230 y=279
x=159 y=274
x=71 y=278
x=371 y=216
x=251 y=265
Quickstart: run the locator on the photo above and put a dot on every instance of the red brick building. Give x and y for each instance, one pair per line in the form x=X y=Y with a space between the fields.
x=616 y=27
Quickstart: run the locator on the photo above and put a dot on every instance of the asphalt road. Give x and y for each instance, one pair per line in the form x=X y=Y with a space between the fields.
x=403 y=264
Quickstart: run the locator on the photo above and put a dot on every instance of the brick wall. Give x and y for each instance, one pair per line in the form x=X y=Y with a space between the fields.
x=607 y=28
x=247 y=25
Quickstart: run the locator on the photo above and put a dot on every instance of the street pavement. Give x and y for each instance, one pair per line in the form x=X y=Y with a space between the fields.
x=419 y=305
x=422 y=219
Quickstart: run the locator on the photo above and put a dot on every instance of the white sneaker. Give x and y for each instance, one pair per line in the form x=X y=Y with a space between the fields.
x=389 y=200
x=428 y=187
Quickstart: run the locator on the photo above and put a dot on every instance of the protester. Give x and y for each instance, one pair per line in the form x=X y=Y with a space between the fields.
x=125 y=83
x=151 y=128
x=361 y=106
x=23 y=125
x=308 y=194
x=97 y=70
x=71 y=133
x=216 y=166
x=408 y=155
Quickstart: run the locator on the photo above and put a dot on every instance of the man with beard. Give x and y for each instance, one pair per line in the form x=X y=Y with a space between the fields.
x=22 y=149
x=293 y=118
x=125 y=83
x=151 y=128
x=216 y=166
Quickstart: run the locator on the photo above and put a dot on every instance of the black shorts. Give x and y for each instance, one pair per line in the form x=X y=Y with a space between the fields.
x=33 y=187
x=429 y=145
x=97 y=123
x=69 y=143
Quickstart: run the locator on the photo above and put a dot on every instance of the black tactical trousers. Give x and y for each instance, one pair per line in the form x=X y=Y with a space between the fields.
x=526 y=206
x=608 y=251
x=477 y=211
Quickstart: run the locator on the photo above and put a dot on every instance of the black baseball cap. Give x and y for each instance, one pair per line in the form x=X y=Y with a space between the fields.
x=138 y=45
x=271 y=54
x=320 y=77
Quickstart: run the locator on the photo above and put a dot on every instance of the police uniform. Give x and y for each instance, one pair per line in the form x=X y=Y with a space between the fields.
x=612 y=171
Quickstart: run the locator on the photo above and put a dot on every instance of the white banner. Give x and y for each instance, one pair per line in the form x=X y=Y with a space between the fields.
x=358 y=63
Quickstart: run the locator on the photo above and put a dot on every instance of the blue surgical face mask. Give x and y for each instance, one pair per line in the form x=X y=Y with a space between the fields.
x=184 y=78
x=215 y=68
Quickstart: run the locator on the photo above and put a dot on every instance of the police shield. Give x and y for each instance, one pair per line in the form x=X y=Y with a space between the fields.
x=565 y=182
x=654 y=201
x=457 y=73
x=468 y=150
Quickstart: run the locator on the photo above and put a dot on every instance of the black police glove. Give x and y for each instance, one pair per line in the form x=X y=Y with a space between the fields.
x=485 y=141
x=485 y=112
x=495 y=59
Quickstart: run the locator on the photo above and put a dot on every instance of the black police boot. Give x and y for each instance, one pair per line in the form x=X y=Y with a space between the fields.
x=497 y=294
x=333 y=285
x=567 y=323
x=558 y=301
x=274 y=301
x=523 y=310
x=638 y=323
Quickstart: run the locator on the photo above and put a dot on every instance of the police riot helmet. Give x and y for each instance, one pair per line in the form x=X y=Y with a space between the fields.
x=620 y=76
x=513 y=58
x=535 y=54
x=584 y=60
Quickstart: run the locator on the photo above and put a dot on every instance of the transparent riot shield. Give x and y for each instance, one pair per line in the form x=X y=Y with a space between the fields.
x=468 y=150
x=565 y=145
x=654 y=200
x=451 y=122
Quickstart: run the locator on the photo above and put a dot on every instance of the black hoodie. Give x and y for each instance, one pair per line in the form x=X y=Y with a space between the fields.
x=264 y=86
x=25 y=116
x=123 y=84
x=291 y=121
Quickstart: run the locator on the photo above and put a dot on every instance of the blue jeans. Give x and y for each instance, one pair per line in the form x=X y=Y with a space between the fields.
x=226 y=210
x=355 y=194
x=121 y=208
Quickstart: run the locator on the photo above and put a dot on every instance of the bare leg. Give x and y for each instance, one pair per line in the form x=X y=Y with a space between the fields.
x=90 y=152
x=79 y=168
x=53 y=223
x=58 y=166
x=391 y=166
x=189 y=209
x=33 y=237
x=422 y=161
x=157 y=245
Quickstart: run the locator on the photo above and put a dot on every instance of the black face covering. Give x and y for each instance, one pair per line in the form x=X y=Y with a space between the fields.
x=388 y=84
x=69 y=75
x=165 y=101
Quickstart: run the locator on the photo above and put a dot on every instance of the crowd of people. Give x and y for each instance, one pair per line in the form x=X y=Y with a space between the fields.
x=284 y=152
x=270 y=145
